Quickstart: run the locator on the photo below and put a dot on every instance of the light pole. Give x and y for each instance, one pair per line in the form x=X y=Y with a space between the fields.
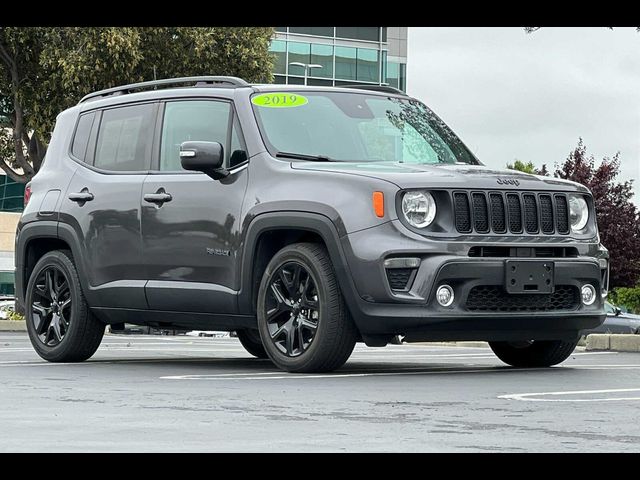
x=306 y=67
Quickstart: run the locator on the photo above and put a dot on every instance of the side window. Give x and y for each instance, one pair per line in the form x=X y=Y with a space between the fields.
x=125 y=138
x=81 y=137
x=192 y=120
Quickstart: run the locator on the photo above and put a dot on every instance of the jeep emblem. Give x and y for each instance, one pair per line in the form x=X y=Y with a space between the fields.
x=508 y=181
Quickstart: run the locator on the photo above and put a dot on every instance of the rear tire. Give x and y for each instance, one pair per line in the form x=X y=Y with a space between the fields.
x=304 y=323
x=537 y=353
x=60 y=331
x=250 y=340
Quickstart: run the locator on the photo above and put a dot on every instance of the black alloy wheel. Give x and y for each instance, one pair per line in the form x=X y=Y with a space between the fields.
x=293 y=309
x=60 y=324
x=303 y=320
x=51 y=306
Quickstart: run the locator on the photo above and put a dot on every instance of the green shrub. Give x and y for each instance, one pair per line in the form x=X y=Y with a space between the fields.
x=629 y=297
x=16 y=317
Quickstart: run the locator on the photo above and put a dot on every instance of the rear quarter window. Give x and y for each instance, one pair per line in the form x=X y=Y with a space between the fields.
x=81 y=136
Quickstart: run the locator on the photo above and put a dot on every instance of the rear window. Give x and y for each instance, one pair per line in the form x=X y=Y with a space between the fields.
x=124 y=138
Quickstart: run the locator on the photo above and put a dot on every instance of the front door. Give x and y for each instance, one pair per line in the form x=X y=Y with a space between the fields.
x=190 y=222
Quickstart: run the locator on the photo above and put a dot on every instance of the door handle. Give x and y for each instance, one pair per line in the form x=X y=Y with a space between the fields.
x=158 y=198
x=82 y=196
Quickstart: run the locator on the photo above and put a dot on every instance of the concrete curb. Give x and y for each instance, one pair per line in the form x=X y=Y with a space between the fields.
x=13 y=326
x=614 y=342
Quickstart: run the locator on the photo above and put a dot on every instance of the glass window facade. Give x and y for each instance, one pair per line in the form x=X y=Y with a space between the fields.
x=298 y=52
x=322 y=55
x=368 y=65
x=11 y=195
x=317 y=31
x=279 y=48
x=346 y=62
x=344 y=59
x=371 y=34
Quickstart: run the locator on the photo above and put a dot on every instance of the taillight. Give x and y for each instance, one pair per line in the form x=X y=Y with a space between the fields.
x=27 y=193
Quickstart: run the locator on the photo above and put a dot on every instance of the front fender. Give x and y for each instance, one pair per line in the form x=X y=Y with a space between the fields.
x=313 y=222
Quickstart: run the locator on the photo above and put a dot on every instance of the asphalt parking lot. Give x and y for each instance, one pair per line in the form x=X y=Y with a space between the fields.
x=155 y=393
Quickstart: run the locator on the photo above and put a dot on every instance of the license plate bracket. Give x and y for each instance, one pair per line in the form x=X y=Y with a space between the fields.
x=529 y=276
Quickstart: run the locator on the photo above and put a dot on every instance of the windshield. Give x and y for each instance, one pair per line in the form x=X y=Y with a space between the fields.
x=354 y=127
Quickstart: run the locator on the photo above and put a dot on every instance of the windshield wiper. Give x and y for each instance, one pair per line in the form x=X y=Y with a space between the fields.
x=302 y=156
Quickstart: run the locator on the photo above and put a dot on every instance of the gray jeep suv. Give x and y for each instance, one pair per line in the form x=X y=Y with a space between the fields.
x=306 y=219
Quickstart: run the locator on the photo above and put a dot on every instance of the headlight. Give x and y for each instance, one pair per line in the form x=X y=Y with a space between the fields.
x=578 y=212
x=419 y=208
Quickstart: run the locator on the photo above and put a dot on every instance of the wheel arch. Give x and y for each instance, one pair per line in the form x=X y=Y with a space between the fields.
x=35 y=240
x=269 y=232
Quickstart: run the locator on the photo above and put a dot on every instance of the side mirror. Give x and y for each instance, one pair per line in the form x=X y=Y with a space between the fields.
x=205 y=157
x=618 y=311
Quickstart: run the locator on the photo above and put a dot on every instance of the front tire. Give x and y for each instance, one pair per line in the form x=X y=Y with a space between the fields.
x=536 y=353
x=250 y=340
x=60 y=325
x=302 y=317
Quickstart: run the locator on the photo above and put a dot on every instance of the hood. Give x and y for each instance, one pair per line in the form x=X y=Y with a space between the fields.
x=444 y=176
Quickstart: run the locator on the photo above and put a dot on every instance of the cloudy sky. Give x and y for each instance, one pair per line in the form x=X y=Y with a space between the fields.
x=512 y=95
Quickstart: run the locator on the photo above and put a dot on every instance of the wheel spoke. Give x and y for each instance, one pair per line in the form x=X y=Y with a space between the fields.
x=49 y=282
x=282 y=329
x=281 y=300
x=65 y=304
x=300 y=336
x=41 y=321
x=55 y=325
x=290 y=340
x=305 y=322
x=62 y=288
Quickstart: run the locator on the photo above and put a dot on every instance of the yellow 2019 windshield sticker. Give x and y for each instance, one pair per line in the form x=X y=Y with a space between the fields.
x=279 y=100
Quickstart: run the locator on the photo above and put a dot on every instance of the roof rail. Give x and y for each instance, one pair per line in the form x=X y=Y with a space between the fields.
x=199 y=82
x=376 y=88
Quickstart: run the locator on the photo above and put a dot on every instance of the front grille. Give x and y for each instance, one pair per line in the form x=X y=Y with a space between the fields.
x=515 y=213
x=480 y=213
x=546 y=213
x=502 y=212
x=562 y=217
x=498 y=220
x=399 y=277
x=530 y=213
x=494 y=298
x=463 y=215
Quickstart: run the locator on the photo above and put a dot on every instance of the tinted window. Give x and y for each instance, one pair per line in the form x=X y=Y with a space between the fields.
x=320 y=31
x=124 y=139
x=278 y=48
x=81 y=137
x=198 y=120
x=358 y=33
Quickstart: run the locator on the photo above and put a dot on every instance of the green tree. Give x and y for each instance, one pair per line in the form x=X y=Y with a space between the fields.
x=44 y=70
x=522 y=167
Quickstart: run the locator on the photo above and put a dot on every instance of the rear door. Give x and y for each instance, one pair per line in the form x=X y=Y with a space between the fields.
x=102 y=202
x=191 y=241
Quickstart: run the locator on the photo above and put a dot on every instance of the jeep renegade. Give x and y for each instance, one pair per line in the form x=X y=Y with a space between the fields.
x=306 y=219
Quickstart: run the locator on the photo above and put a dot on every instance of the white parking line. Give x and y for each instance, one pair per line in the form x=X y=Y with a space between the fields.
x=531 y=397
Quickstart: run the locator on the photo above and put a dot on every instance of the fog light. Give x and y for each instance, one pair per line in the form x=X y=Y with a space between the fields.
x=603 y=263
x=444 y=295
x=588 y=294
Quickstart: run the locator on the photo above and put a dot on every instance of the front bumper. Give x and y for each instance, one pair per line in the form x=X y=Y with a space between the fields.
x=414 y=312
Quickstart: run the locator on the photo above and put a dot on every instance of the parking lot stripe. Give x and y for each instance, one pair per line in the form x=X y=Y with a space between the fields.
x=531 y=397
